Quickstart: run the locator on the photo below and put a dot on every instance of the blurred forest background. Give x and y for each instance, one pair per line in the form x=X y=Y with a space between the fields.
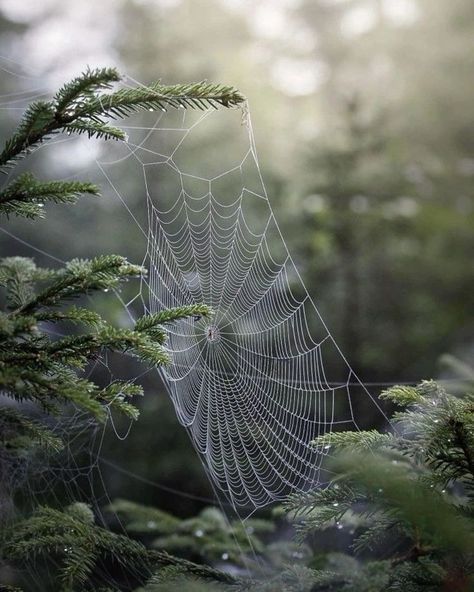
x=364 y=119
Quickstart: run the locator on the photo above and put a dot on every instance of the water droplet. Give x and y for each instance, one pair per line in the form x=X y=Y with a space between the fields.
x=199 y=533
x=151 y=524
x=380 y=490
x=436 y=421
x=250 y=530
x=327 y=447
x=151 y=109
x=335 y=504
x=225 y=556
x=339 y=526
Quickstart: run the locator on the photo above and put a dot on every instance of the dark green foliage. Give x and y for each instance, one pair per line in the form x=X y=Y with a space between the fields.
x=85 y=86
x=139 y=519
x=405 y=498
x=72 y=538
x=37 y=366
x=208 y=537
x=26 y=195
x=80 y=107
x=265 y=559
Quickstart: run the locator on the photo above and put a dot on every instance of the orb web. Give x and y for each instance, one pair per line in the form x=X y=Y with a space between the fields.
x=264 y=377
x=254 y=384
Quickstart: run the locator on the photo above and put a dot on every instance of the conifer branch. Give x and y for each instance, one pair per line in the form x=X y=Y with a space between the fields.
x=361 y=441
x=188 y=567
x=410 y=499
x=38 y=124
x=95 y=129
x=81 y=276
x=465 y=441
x=78 y=543
x=402 y=395
x=79 y=107
x=85 y=85
x=26 y=195
x=73 y=315
x=201 y=95
x=116 y=395
x=139 y=518
x=27 y=430
x=169 y=315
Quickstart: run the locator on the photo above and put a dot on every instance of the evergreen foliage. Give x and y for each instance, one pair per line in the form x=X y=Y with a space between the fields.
x=401 y=501
x=253 y=551
x=42 y=374
x=80 y=107
x=81 y=547
x=405 y=498
x=207 y=538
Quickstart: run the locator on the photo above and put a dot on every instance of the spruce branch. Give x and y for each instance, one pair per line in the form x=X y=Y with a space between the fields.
x=37 y=124
x=81 y=276
x=123 y=102
x=414 y=502
x=17 y=275
x=26 y=430
x=410 y=499
x=72 y=537
x=188 y=567
x=95 y=129
x=25 y=196
x=377 y=533
x=464 y=440
x=149 y=323
x=78 y=349
x=138 y=518
x=23 y=380
x=79 y=107
x=361 y=441
x=85 y=85
x=402 y=395
x=74 y=314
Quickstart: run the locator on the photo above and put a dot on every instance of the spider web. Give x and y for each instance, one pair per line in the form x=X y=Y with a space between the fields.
x=253 y=385
x=259 y=381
